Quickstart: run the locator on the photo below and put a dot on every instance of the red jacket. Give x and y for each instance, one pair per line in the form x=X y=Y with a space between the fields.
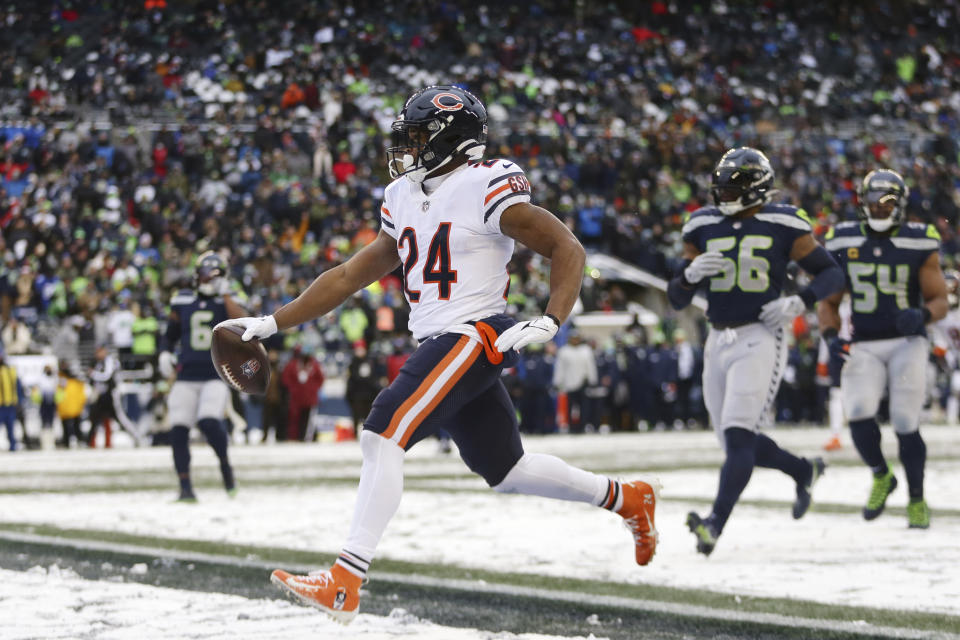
x=303 y=381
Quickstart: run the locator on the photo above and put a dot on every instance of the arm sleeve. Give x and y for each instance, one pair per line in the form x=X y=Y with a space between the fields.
x=172 y=336
x=679 y=291
x=827 y=276
x=507 y=185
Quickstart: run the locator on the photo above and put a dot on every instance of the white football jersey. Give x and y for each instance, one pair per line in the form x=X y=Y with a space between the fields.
x=945 y=337
x=454 y=254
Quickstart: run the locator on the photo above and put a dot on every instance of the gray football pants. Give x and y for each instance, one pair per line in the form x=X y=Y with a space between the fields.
x=895 y=364
x=742 y=369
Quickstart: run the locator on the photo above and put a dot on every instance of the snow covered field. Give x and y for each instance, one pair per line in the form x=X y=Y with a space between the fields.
x=300 y=497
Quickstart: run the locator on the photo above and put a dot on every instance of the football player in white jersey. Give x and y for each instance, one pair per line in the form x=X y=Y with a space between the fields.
x=450 y=219
x=945 y=335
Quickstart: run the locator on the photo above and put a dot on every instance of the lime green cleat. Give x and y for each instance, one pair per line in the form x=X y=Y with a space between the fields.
x=883 y=486
x=918 y=514
x=705 y=532
x=187 y=497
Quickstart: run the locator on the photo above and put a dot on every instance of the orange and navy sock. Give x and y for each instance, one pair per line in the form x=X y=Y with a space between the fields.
x=613 y=499
x=353 y=563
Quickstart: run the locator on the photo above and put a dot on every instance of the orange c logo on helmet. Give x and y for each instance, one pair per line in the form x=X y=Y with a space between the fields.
x=438 y=101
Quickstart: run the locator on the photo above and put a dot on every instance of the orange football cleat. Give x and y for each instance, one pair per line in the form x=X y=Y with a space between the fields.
x=335 y=592
x=833 y=444
x=639 y=503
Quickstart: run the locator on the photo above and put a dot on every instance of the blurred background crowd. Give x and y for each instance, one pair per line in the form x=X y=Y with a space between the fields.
x=135 y=135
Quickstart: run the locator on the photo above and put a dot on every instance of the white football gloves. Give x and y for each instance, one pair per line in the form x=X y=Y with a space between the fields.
x=167 y=364
x=540 y=329
x=779 y=312
x=703 y=266
x=262 y=327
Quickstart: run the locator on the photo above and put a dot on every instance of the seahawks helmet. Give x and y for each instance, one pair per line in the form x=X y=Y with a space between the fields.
x=437 y=125
x=882 y=190
x=741 y=180
x=210 y=274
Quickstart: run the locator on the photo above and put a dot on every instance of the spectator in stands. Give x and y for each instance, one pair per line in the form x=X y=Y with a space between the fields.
x=46 y=391
x=71 y=399
x=535 y=374
x=120 y=327
x=274 y=400
x=107 y=407
x=364 y=381
x=303 y=378
x=662 y=360
x=16 y=337
x=574 y=371
x=145 y=330
x=11 y=396
x=687 y=358
x=622 y=174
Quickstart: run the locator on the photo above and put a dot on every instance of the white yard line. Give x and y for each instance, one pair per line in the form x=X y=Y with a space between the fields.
x=859 y=627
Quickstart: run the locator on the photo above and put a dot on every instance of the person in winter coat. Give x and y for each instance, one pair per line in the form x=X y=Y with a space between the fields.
x=303 y=377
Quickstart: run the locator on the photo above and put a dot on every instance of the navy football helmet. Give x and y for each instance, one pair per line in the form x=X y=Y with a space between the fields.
x=210 y=275
x=883 y=191
x=437 y=125
x=741 y=180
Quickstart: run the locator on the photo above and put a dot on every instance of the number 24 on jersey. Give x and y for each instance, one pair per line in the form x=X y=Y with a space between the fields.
x=437 y=268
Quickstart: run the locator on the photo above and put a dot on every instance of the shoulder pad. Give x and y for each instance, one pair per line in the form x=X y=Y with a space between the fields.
x=844 y=235
x=849 y=227
x=496 y=164
x=786 y=215
x=702 y=217
x=183 y=296
x=917 y=236
x=504 y=183
x=920 y=230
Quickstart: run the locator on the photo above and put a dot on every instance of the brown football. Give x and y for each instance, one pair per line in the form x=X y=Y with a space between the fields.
x=242 y=365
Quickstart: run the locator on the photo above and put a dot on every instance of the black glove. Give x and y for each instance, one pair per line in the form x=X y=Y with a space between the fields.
x=910 y=321
x=838 y=347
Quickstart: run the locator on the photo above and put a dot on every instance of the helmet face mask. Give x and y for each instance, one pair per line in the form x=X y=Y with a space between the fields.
x=209 y=275
x=438 y=125
x=742 y=179
x=883 y=199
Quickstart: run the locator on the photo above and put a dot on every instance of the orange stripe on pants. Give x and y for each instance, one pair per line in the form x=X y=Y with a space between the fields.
x=409 y=405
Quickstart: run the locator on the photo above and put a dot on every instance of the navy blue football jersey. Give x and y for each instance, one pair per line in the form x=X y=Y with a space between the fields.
x=192 y=335
x=881 y=272
x=757 y=251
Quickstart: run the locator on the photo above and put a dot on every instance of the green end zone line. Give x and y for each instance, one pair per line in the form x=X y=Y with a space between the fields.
x=472 y=586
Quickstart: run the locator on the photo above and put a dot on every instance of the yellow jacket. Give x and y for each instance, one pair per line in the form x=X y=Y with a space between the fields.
x=71 y=398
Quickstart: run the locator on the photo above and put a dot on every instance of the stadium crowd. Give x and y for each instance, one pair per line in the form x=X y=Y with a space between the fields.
x=135 y=136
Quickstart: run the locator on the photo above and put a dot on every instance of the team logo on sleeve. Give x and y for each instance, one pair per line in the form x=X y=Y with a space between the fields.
x=447 y=102
x=250 y=367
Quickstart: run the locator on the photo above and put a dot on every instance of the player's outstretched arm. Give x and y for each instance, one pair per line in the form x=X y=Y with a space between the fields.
x=540 y=230
x=331 y=288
